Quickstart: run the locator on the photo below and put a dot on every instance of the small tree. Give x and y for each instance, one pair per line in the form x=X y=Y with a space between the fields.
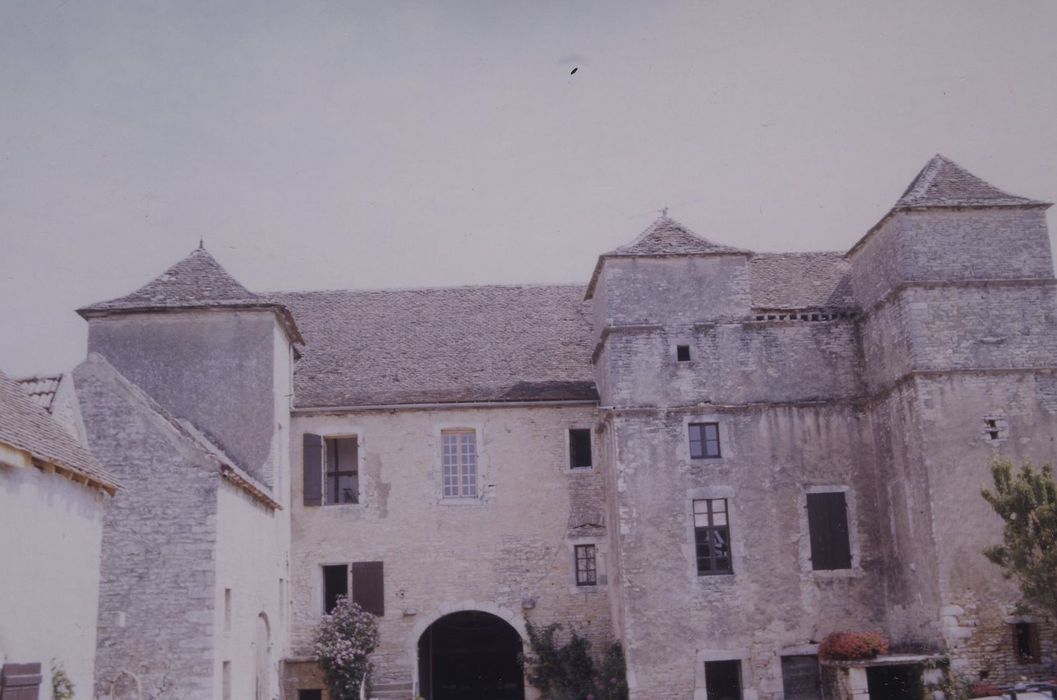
x=344 y=640
x=1027 y=503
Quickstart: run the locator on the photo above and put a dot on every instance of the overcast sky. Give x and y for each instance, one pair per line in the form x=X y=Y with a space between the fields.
x=343 y=144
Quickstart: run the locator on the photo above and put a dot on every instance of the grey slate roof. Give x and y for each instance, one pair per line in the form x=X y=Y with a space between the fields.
x=196 y=282
x=460 y=344
x=28 y=427
x=800 y=280
x=41 y=389
x=944 y=183
x=664 y=237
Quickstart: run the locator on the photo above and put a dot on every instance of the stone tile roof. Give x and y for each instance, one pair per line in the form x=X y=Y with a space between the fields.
x=27 y=426
x=664 y=237
x=460 y=344
x=196 y=282
x=800 y=281
x=41 y=389
x=944 y=183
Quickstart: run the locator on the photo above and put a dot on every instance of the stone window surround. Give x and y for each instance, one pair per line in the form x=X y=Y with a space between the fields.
x=737 y=542
x=438 y=463
x=704 y=655
x=601 y=572
x=566 y=467
x=726 y=444
x=804 y=549
x=345 y=433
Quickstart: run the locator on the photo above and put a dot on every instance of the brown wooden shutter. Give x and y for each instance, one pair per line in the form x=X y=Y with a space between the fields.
x=827 y=519
x=20 y=682
x=313 y=470
x=368 y=586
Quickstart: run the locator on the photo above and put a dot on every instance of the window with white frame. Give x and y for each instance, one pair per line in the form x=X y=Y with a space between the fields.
x=459 y=462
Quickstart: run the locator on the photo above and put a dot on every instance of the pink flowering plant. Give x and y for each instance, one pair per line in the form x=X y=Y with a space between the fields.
x=852 y=646
x=344 y=640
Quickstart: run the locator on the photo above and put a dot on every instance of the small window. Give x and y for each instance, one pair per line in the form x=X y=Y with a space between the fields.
x=723 y=680
x=704 y=440
x=800 y=678
x=226 y=680
x=682 y=353
x=712 y=537
x=459 y=460
x=579 y=448
x=994 y=429
x=335 y=585
x=342 y=484
x=586 y=566
x=1026 y=642
x=827 y=520
x=304 y=694
x=227 y=609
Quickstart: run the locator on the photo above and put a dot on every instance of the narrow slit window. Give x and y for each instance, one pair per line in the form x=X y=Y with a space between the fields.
x=586 y=565
x=682 y=353
x=704 y=441
x=579 y=448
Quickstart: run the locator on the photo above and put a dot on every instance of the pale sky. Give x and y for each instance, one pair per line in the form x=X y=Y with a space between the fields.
x=339 y=144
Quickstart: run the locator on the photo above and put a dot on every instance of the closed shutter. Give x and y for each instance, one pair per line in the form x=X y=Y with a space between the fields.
x=312 y=485
x=827 y=517
x=368 y=586
x=20 y=682
x=800 y=678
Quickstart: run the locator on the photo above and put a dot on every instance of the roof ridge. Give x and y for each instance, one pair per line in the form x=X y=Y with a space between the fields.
x=458 y=287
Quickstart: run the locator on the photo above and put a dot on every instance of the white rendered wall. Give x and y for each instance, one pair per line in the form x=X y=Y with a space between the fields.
x=49 y=573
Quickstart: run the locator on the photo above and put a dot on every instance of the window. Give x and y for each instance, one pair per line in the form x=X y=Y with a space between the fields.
x=800 y=678
x=723 y=680
x=368 y=586
x=827 y=520
x=1026 y=642
x=335 y=584
x=712 y=537
x=586 y=567
x=227 y=609
x=579 y=448
x=704 y=440
x=459 y=461
x=226 y=680
x=304 y=694
x=682 y=353
x=342 y=476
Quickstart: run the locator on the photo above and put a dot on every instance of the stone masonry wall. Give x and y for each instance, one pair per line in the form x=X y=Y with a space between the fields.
x=509 y=548
x=159 y=532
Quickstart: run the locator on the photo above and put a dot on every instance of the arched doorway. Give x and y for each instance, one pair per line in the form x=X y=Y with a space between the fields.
x=470 y=655
x=262 y=642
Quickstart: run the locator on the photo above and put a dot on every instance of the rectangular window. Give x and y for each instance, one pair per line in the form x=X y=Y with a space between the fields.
x=712 y=537
x=368 y=586
x=226 y=680
x=800 y=678
x=1026 y=642
x=305 y=694
x=827 y=519
x=342 y=476
x=723 y=680
x=586 y=565
x=704 y=440
x=227 y=609
x=682 y=353
x=579 y=448
x=459 y=461
x=335 y=584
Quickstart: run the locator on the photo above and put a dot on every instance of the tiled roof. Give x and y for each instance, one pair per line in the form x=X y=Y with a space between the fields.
x=41 y=389
x=800 y=280
x=458 y=344
x=26 y=426
x=664 y=237
x=196 y=282
x=944 y=183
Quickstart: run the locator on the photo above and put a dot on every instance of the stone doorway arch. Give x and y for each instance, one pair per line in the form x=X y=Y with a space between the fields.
x=262 y=648
x=470 y=655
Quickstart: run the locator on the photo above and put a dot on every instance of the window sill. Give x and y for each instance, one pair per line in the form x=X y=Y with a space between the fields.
x=824 y=574
x=715 y=579
x=460 y=500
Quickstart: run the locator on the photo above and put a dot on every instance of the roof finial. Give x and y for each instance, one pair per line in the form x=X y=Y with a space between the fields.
x=664 y=212
x=201 y=243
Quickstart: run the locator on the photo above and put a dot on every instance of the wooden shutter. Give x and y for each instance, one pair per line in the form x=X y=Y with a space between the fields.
x=368 y=586
x=20 y=681
x=827 y=518
x=800 y=678
x=312 y=486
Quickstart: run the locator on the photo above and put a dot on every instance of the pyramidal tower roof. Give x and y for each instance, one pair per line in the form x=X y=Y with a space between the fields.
x=944 y=183
x=663 y=238
x=197 y=281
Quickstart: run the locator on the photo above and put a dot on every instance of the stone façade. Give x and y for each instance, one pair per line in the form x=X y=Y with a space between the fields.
x=870 y=372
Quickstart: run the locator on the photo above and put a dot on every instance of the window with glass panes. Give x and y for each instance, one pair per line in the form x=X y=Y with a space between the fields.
x=343 y=479
x=459 y=457
x=586 y=567
x=712 y=536
x=704 y=440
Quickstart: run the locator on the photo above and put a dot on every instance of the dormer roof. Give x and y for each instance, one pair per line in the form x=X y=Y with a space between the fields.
x=944 y=183
x=196 y=282
x=665 y=237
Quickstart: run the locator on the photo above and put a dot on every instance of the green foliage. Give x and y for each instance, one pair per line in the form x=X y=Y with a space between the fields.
x=1027 y=503
x=344 y=640
x=61 y=685
x=568 y=671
